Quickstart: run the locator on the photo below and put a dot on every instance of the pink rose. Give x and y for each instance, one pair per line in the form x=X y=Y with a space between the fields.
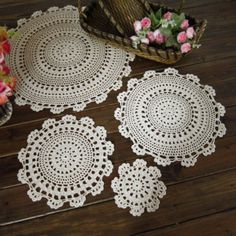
x=159 y=37
x=6 y=47
x=184 y=25
x=3 y=99
x=151 y=36
x=137 y=26
x=145 y=40
x=3 y=87
x=168 y=16
x=186 y=47
x=146 y=23
x=5 y=69
x=2 y=58
x=156 y=32
x=182 y=37
x=190 y=32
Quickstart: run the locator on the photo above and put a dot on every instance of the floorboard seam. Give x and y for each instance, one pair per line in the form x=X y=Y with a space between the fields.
x=228 y=210
x=108 y=199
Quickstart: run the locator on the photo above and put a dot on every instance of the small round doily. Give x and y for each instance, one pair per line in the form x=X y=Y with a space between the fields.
x=60 y=66
x=170 y=116
x=65 y=161
x=138 y=187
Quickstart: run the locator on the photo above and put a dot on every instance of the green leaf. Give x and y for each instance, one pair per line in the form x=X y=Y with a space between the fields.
x=182 y=17
x=155 y=21
x=152 y=16
x=171 y=41
x=166 y=31
x=178 y=19
x=159 y=14
x=143 y=33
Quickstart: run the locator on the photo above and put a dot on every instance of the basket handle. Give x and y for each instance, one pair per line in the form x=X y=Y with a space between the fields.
x=81 y=9
x=79 y=6
x=181 y=5
x=201 y=30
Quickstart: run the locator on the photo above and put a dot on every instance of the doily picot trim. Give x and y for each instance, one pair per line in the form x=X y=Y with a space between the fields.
x=209 y=147
x=138 y=187
x=77 y=197
x=80 y=106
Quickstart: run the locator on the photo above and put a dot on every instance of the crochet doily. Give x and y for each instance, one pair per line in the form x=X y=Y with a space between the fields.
x=65 y=161
x=138 y=187
x=59 y=66
x=170 y=116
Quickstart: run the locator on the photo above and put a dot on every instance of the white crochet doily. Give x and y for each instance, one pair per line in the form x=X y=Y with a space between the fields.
x=65 y=161
x=170 y=116
x=138 y=187
x=59 y=66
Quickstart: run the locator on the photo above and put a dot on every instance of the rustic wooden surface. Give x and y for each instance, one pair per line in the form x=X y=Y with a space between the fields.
x=200 y=201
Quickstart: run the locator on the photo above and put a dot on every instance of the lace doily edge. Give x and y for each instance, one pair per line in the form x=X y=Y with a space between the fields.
x=80 y=106
x=74 y=202
x=187 y=162
x=208 y=149
x=137 y=210
x=87 y=121
x=57 y=203
x=54 y=203
x=132 y=83
x=36 y=14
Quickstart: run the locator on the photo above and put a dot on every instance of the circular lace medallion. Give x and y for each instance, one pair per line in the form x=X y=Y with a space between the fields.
x=170 y=116
x=65 y=161
x=60 y=66
x=138 y=187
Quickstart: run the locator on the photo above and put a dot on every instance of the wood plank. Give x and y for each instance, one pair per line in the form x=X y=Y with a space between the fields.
x=20 y=132
x=180 y=204
x=208 y=52
x=191 y=195
x=222 y=224
x=14 y=138
x=222 y=160
x=11 y=10
x=210 y=73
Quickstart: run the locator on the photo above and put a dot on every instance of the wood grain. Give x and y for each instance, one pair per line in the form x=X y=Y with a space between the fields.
x=181 y=203
x=201 y=201
x=14 y=210
x=222 y=224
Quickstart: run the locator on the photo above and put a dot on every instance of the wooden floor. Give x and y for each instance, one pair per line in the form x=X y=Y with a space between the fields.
x=200 y=201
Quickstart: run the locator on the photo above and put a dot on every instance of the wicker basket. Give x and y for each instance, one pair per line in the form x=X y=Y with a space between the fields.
x=112 y=21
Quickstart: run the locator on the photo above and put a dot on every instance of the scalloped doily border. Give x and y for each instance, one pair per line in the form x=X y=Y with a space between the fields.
x=187 y=162
x=80 y=199
x=80 y=106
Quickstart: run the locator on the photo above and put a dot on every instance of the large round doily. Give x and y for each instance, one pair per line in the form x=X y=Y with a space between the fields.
x=60 y=66
x=138 y=187
x=170 y=116
x=65 y=161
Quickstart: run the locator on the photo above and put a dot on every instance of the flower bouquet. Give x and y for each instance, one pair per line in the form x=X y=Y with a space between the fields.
x=156 y=32
x=168 y=30
x=7 y=82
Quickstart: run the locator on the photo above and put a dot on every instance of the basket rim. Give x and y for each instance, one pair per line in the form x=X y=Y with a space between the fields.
x=126 y=41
